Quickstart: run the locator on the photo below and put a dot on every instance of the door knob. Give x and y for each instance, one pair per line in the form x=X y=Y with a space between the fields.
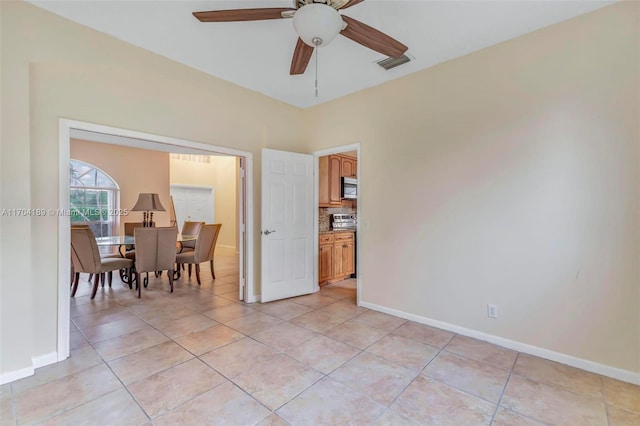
x=267 y=232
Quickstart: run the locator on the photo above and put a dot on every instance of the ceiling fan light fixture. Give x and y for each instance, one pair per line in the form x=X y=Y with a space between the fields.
x=317 y=24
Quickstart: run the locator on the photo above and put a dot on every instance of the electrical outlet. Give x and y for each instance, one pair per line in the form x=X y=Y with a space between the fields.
x=492 y=311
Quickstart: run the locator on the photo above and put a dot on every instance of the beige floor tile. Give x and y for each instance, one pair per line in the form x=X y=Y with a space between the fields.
x=284 y=336
x=6 y=412
x=554 y=373
x=84 y=305
x=380 y=320
x=330 y=403
x=475 y=377
x=404 y=351
x=343 y=310
x=317 y=321
x=165 y=313
x=185 y=325
x=375 y=377
x=337 y=292
x=253 y=323
x=391 y=417
x=208 y=339
x=355 y=334
x=314 y=300
x=65 y=393
x=168 y=389
x=146 y=362
x=228 y=313
x=622 y=395
x=509 y=418
x=224 y=404
x=273 y=420
x=212 y=302
x=129 y=343
x=226 y=288
x=482 y=351
x=113 y=314
x=323 y=354
x=115 y=408
x=425 y=334
x=428 y=402
x=619 y=417
x=550 y=404
x=113 y=329
x=276 y=381
x=77 y=340
x=238 y=357
x=79 y=359
x=283 y=309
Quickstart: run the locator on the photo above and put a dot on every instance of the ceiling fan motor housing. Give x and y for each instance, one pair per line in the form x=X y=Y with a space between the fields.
x=336 y=4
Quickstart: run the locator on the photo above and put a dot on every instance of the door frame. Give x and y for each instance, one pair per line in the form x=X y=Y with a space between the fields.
x=135 y=139
x=316 y=212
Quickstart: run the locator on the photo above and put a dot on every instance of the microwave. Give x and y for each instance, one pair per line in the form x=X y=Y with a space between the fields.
x=349 y=188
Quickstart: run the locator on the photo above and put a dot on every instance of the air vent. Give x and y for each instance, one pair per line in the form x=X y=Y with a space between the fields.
x=389 y=63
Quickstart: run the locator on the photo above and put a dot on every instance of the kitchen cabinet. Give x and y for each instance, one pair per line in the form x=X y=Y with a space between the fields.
x=349 y=167
x=336 y=256
x=325 y=258
x=331 y=169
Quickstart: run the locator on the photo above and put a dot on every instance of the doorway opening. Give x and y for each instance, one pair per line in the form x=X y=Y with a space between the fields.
x=338 y=217
x=114 y=138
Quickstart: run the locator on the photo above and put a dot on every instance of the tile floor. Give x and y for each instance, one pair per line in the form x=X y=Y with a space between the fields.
x=198 y=357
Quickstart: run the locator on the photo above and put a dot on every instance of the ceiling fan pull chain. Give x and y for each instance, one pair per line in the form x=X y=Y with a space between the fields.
x=316 y=71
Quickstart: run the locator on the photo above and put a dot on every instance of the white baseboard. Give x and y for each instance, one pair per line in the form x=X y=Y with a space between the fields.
x=594 y=367
x=253 y=298
x=12 y=376
x=46 y=359
x=36 y=361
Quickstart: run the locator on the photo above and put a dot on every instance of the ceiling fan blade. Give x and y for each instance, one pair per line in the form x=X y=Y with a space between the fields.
x=351 y=3
x=372 y=38
x=301 y=56
x=233 y=15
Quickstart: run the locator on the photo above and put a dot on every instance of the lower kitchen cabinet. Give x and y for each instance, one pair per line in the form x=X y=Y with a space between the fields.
x=336 y=256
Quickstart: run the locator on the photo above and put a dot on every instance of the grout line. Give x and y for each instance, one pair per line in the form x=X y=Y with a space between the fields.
x=504 y=389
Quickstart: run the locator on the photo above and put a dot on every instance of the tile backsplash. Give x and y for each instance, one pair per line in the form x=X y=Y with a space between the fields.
x=324 y=218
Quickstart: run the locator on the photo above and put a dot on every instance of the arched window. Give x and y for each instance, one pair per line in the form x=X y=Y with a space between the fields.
x=94 y=195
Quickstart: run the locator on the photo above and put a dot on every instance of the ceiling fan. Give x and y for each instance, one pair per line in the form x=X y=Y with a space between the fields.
x=317 y=22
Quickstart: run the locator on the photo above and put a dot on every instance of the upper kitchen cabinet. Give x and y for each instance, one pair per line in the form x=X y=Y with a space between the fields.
x=332 y=168
x=349 y=167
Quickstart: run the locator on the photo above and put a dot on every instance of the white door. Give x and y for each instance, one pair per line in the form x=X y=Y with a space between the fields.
x=287 y=224
x=193 y=203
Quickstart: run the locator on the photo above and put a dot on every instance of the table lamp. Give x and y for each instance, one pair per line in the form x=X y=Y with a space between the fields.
x=148 y=203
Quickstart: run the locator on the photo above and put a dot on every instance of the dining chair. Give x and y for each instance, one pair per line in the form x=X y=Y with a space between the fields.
x=86 y=258
x=155 y=251
x=203 y=251
x=189 y=228
x=129 y=227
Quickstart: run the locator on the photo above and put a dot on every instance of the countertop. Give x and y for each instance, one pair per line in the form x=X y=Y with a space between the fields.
x=333 y=231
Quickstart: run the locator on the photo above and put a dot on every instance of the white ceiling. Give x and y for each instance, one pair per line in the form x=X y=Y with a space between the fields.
x=257 y=54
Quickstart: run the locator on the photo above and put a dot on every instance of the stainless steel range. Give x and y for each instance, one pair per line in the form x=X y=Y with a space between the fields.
x=344 y=222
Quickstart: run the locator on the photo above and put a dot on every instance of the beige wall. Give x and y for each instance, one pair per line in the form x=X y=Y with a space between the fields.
x=515 y=168
x=134 y=170
x=53 y=68
x=220 y=174
x=515 y=172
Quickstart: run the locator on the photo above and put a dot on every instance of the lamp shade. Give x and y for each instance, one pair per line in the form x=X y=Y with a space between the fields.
x=317 y=24
x=148 y=203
